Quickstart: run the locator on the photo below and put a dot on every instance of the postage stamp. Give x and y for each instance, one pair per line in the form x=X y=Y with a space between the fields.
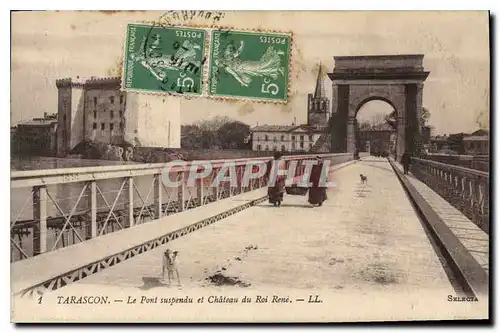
x=252 y=65
x=164 y=59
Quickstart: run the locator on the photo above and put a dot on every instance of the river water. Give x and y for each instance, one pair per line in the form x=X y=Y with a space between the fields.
x=66 y=195
x=19 y=163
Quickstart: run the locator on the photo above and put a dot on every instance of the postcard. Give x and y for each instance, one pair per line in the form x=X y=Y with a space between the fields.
x=200 y=166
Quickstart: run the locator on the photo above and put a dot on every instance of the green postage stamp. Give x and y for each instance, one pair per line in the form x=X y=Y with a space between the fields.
x=164 y=59
x=243 y=64
x=253 y=65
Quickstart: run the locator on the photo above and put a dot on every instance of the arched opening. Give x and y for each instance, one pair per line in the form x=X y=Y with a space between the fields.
x=375 y=127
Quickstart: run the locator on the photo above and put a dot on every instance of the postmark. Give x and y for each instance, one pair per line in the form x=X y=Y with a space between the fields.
x=164 y=59
x=249 y=65
x=173 y=17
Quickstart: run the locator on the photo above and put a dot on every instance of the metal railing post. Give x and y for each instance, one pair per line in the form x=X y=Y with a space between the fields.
x=180 y=191
x=199 y=191
x=91 y=227
x=251 y=182
x=240 y=171
x=40 y=216
x=216 y=188
x=158 y=196
x=129 y=206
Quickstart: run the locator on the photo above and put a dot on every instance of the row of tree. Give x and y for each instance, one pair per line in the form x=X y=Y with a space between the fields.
x=390 y=119
x=455 y=142
x=424 y=118
x=216 y=133
x=375 y=120
x=223 y=132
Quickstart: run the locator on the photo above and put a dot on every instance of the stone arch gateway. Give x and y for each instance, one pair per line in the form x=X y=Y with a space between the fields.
x=396 y=79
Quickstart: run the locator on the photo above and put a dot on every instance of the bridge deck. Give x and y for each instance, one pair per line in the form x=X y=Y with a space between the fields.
x=29 y=272
x=364 y=238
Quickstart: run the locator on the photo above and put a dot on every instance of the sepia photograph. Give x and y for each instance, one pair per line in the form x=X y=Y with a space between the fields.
x=211 y=166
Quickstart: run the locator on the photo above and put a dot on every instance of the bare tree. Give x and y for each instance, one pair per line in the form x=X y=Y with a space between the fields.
x=213 y=124
x=218 y=132
x=390 y=119
x=233 y=135
x=377 y=119
x=364 y=125
x=424 y=117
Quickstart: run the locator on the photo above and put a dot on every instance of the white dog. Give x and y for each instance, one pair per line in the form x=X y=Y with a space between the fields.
x=170 y=265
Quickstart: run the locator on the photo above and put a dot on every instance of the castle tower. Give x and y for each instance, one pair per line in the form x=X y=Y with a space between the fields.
x=318 y=104
x=70 y=114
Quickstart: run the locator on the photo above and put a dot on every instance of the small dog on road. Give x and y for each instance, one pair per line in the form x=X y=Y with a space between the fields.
x=364 y=179
x=170 y=265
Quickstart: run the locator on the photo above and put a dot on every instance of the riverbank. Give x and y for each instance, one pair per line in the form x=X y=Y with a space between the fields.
x=139 y=155
x=21 y=163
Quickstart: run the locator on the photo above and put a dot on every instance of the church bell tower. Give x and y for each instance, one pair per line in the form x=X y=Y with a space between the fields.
x=318 y=105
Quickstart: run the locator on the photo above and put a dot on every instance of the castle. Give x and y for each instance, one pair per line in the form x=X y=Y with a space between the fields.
x=97 y=110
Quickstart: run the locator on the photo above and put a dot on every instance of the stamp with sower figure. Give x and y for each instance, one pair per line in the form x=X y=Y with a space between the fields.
x=164 y=59
x=243 y=64
x=251 y=65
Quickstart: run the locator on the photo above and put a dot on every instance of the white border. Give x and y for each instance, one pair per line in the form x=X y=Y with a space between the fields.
x=193 y=4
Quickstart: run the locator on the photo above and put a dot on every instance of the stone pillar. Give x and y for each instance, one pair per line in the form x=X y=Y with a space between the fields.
x=351 y=134
x=401 y=135
x=334 y=119
x=420 y=89
x=340 y=109
x=334 y=102
x=418 y=109
x=412 y=112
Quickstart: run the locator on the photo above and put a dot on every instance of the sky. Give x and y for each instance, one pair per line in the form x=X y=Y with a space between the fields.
x=51 y=45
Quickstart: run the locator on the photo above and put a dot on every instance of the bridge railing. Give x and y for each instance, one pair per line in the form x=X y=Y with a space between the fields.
x=465 y=189
x=476 y=162
x=56 y=208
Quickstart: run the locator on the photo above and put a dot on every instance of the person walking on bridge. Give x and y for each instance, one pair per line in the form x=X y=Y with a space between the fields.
x=356 y=153
x=405 y=161
x=276 y=171
x=317 y=191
